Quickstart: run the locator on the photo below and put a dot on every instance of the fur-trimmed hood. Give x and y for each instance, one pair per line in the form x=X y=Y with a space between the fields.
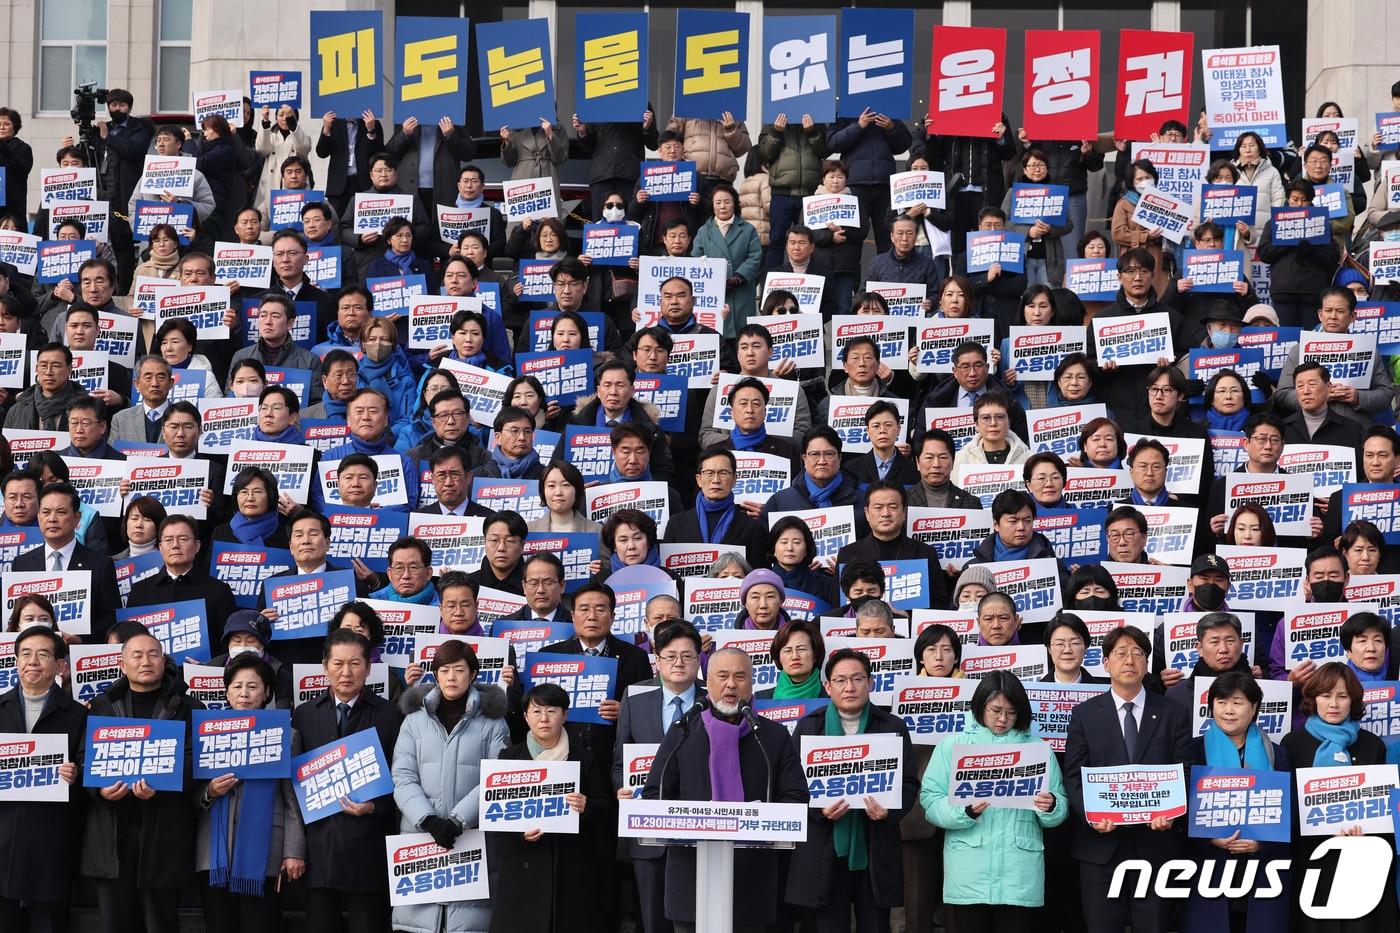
x=486 y=700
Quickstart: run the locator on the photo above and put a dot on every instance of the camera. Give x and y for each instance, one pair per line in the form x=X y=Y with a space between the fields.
x=86 y=97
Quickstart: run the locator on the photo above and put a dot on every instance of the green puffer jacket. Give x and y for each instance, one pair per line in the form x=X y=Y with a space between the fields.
x=793 y=156
x=999 y=857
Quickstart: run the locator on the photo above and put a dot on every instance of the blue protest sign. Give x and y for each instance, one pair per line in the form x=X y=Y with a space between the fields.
x=610 y=67
x=712 y=64
x=490 y=295
x=787 y=712
x=1214 y=270
x=135 y=569
x=182 y=628
x=1075 y=534
x=1290 y=226
x=274 y=88
x=300 y=333
x=4 y=185
x=564 y=374
x=352 y=767
x=16 y=539
x=541 y=322
x=1092 y=279
x=1382 y=719
x=610 y=244
x=392 y=292
x=527 y=637
x=60 y=259
x=799 y=68
x=1205 y=363
x=906 y=583
x=365 y=534
x=534 y=278
x=1006 y=247
x=323 y=266
x=431 y=66
x=1377 y=503
x=298 y=380
x=1256 y=804
x=1228 y=204
x=877 y=62
x=668 y=393
x=516 y=73
x=1031 y=202
x=284 y=207
x=521 y=496
x=668 y=181
x=1275 y=342
x=577 y=549
x=1333 y=198
x=588 y=681
x=1381 y=318
x=305 y=603
x=589 y=449
x=131 y=750
x=347 y=61
x=244 y=568
x=249 y=744
x=150 y=214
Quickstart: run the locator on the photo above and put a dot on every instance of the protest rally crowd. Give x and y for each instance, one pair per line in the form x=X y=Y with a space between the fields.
x=371 y=546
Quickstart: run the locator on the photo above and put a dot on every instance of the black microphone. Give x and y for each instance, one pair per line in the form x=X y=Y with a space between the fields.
x=746 y=710
x=684 y=724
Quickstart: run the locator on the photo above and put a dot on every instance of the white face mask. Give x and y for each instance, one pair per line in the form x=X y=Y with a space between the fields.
x=1142 y=185
x=1391 y=236
x=968 y=604
x=612 y=214
x=235 y=652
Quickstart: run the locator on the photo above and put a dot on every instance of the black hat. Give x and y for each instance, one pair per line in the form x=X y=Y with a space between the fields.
x=1223 y=309
x=1208 y=562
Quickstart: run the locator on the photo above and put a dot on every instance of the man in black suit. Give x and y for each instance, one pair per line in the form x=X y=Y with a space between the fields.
x=884 y=460
x=289 y=278
x=801 y=258
x=543 y=581
x=716 y=518
x=886 y=504
x=646 y=718
x=767 y=768
x=180 y=428
x=502 y=567
x=309 y=540
x=1316 y=421
x=59 y=507
x=1126 y=725
x=348 y=144
x=179 y=578
x=345 y=852
x=451 y=476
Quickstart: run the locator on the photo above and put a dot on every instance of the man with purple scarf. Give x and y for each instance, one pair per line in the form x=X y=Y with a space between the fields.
x=727 y=753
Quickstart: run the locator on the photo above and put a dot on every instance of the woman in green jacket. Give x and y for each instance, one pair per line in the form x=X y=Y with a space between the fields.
x=728 y=236
x=993 y=857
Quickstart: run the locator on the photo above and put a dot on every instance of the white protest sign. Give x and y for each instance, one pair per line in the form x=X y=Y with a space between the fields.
x=423 y=872
x=1311 y=632
x=289 y=463
x=937 y=338
x=706 y=276
x=532 y=198
x=204 y=306
x=1138 y=340
x=999 y=775
x=905 y=299
x=250 y=265
x=932 y=708
x=804 y=286
x=818 y=210
x=372 y=210
x=853 y=767
x=1349 y=358
x=1287 y=498
x=168 y=175
x=781 y=411
x=66 y=184
x=909 y=189
x=1344 y=795
x=455 y=221
x=1024 y=662
x=796 y=337
x=1036 y=351
x=1158 y=210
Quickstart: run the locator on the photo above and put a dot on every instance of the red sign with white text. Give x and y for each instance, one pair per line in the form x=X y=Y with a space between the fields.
x=966 y=80
x=1062 y=84
x=1154 y=81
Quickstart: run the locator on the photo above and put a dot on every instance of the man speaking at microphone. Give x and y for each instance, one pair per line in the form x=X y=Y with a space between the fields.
x=727 y=753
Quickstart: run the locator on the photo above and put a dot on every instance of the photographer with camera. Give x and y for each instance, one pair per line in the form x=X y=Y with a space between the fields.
x=118 y=146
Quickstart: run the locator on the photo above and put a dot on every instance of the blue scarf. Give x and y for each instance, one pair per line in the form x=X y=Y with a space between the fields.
x=254 y=530
x=1335 y=739
x=334 y=410
x=615 y=477
x=705 y=509
x=1366 y=677
x=1002 y=551
x=1221 y=751
x=251 y=841
x=427 y=596
x=328 y=240
x=1162 y=497
x=474 y=202
x=386 y=373
x=653 y=559
x=1218 y=422
x=821 y=496
x=685 y=325
x=742 y=441
x=337 y=336
x=372 y=448
x=514 y=469
x=404 y=261
x=476 y=359
x=600 y=420
x=291 y=434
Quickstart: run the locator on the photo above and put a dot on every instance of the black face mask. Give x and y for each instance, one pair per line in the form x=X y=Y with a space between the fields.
x=1327 y=591
x=1208 y=596
x=1094 y=603
x=291 y=124
x=118 y=116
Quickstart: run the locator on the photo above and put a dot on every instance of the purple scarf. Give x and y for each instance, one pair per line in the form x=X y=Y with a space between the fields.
x=726 y=780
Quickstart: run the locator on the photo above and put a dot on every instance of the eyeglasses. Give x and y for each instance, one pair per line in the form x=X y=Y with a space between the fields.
x=499 y=541
x=1159 y=391
x=1267 y=440
x=716 y=474
x=795 y=651
x=855 y=680
x=450 y=416
x=992 y=418
x=821 y=455
x=539 y=584
x=407 y=568
x=1135 y=273
x=970 y=367
x=1153 y=467
x=288 y=253
x=569 y=284
x=272 y=409
x=516 y=431
x=684 y=657
x=1118 y=537
x=1073 y=643
x=445 y=475
x=1128 y=654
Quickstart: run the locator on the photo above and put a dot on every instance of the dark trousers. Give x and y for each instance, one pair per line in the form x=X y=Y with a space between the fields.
x=875 y=201
x=344 y=201
x=992 y=918
x=650 y=876
x=923 y=882
x=784 y=210
x=332 y=911
x=1148 y=913
x=1064 y=911
x=966 y=206
x=850 y=890
x=124 y=248
x=1295 y=313
x=32 y=918
x=241 y=913
x=124 y=908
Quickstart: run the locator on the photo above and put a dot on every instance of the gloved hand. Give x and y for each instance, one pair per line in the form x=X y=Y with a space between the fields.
x=443 y=831
x=1262 y=382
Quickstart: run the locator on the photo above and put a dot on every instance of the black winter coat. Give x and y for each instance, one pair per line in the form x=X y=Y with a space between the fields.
x=39 y=841
x=166 y=822
x=743 y=532
x=809 y=881
x=344 y=852
x=616 y=150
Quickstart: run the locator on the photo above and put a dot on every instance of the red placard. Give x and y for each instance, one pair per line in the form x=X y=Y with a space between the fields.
x=966 y=81
x=1062 y=84
x=1154 y=81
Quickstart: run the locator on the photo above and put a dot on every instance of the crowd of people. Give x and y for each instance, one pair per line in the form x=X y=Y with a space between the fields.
x=243 y=844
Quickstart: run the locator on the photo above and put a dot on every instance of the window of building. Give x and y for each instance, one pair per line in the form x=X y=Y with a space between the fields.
x=173 y=64
x=72 y=50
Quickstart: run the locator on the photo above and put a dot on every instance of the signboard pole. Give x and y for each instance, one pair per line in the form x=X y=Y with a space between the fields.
x=714 y=887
